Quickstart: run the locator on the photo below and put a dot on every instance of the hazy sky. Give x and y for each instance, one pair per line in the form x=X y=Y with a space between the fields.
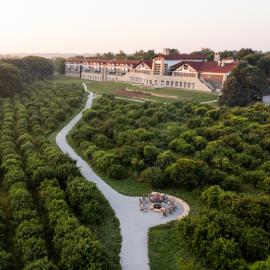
x=83 y=26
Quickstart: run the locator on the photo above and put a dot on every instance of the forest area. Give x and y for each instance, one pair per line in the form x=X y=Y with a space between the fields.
x=50 y=218
x=219 y=155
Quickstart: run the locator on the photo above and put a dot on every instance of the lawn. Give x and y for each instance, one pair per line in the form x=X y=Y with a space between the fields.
x=171 y=93
x=158 y=94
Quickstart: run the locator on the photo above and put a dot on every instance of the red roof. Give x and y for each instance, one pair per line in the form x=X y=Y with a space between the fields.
x=211 y=67
x=105 y=61
x=183 y=56
x=145 y=62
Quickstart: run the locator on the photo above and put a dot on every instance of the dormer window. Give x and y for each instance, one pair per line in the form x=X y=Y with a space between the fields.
x=185 y=67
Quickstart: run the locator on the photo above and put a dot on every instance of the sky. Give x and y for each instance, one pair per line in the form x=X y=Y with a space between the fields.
x=90 y=26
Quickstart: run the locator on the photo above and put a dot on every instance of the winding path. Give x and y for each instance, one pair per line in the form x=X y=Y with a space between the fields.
x=134 y=224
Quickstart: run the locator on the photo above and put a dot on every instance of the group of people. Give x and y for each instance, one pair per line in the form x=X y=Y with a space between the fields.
x=158 y=202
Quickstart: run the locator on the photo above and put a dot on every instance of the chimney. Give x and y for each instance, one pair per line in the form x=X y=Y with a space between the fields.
x=166 y=51
x=217 y=57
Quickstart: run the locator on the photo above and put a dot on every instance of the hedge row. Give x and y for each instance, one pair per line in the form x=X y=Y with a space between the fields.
x=77 y=246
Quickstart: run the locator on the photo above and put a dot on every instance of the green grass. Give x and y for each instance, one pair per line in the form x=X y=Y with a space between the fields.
x=108 y=233
x=184 y=94
x=180 y=94
x=167 y=249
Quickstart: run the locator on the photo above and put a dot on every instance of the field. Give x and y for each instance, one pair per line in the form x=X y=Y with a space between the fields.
x=159 y=94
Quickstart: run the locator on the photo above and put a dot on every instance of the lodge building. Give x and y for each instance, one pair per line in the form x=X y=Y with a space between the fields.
x=186 y=71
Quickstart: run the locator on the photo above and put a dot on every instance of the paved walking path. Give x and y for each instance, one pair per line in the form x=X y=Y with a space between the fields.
x=134 y=224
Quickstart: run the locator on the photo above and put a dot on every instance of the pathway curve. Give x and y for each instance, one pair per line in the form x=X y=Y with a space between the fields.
x=134 y=224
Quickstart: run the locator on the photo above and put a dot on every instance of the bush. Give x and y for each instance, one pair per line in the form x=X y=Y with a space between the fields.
x=150 y=154
x=231 y=182
x=186 y=172
x=222 y=253
x=261 y=265
x=14 y=175
x=181 y=146
x=86 y=198
x=154 y=175
x=165 y=159
x=255 y=244
x=89 y=114
x=117 y=171
x=4 y=260
x=41 y=264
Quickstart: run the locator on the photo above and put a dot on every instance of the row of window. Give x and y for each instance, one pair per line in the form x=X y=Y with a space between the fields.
x=157 y=68
x=176 y=84
x=184 y=74
x=143 y=71
x=91 y=77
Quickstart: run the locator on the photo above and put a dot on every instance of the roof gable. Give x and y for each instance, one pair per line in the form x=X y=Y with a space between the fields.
x=146 y=63
x=207 y=67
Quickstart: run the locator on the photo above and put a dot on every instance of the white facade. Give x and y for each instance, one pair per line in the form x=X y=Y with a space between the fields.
x=162 y=71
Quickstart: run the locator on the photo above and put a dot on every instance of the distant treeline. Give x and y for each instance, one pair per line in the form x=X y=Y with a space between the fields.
x=15 y=73
x=242 y=54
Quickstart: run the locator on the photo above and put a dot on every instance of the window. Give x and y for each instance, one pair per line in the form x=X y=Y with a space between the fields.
x=176 y=84
x=185 y=85
x=162 y=83
x=185 y=67
x=181 y=84
x=171 y=84
x=188 y=85
x=157 y=69
x=167 y=83
x=165 y=69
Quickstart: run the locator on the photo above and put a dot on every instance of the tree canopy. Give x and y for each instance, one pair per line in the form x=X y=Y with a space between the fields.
x=246 y=85
x=15 y=73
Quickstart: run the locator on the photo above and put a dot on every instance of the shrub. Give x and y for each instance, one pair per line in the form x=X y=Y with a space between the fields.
x=165 y=159
x=186 y=172
x=4 y=260
x=181 y=146
x=14 y=175
x=117 y=171
x=231 y=182
x=41 y=264
x=150 y=153
x=85 y=197
x=255 y=244
x=154 y=175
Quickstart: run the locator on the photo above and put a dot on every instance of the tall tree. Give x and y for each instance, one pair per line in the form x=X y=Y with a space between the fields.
x=227 y=54
x=208 y=52
x=10 y=80
x=246 y=85
x=173 y=51
x=244 y=52
x=121 y=55
x=108 y=55
x=264 y=64
x=59 y=65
